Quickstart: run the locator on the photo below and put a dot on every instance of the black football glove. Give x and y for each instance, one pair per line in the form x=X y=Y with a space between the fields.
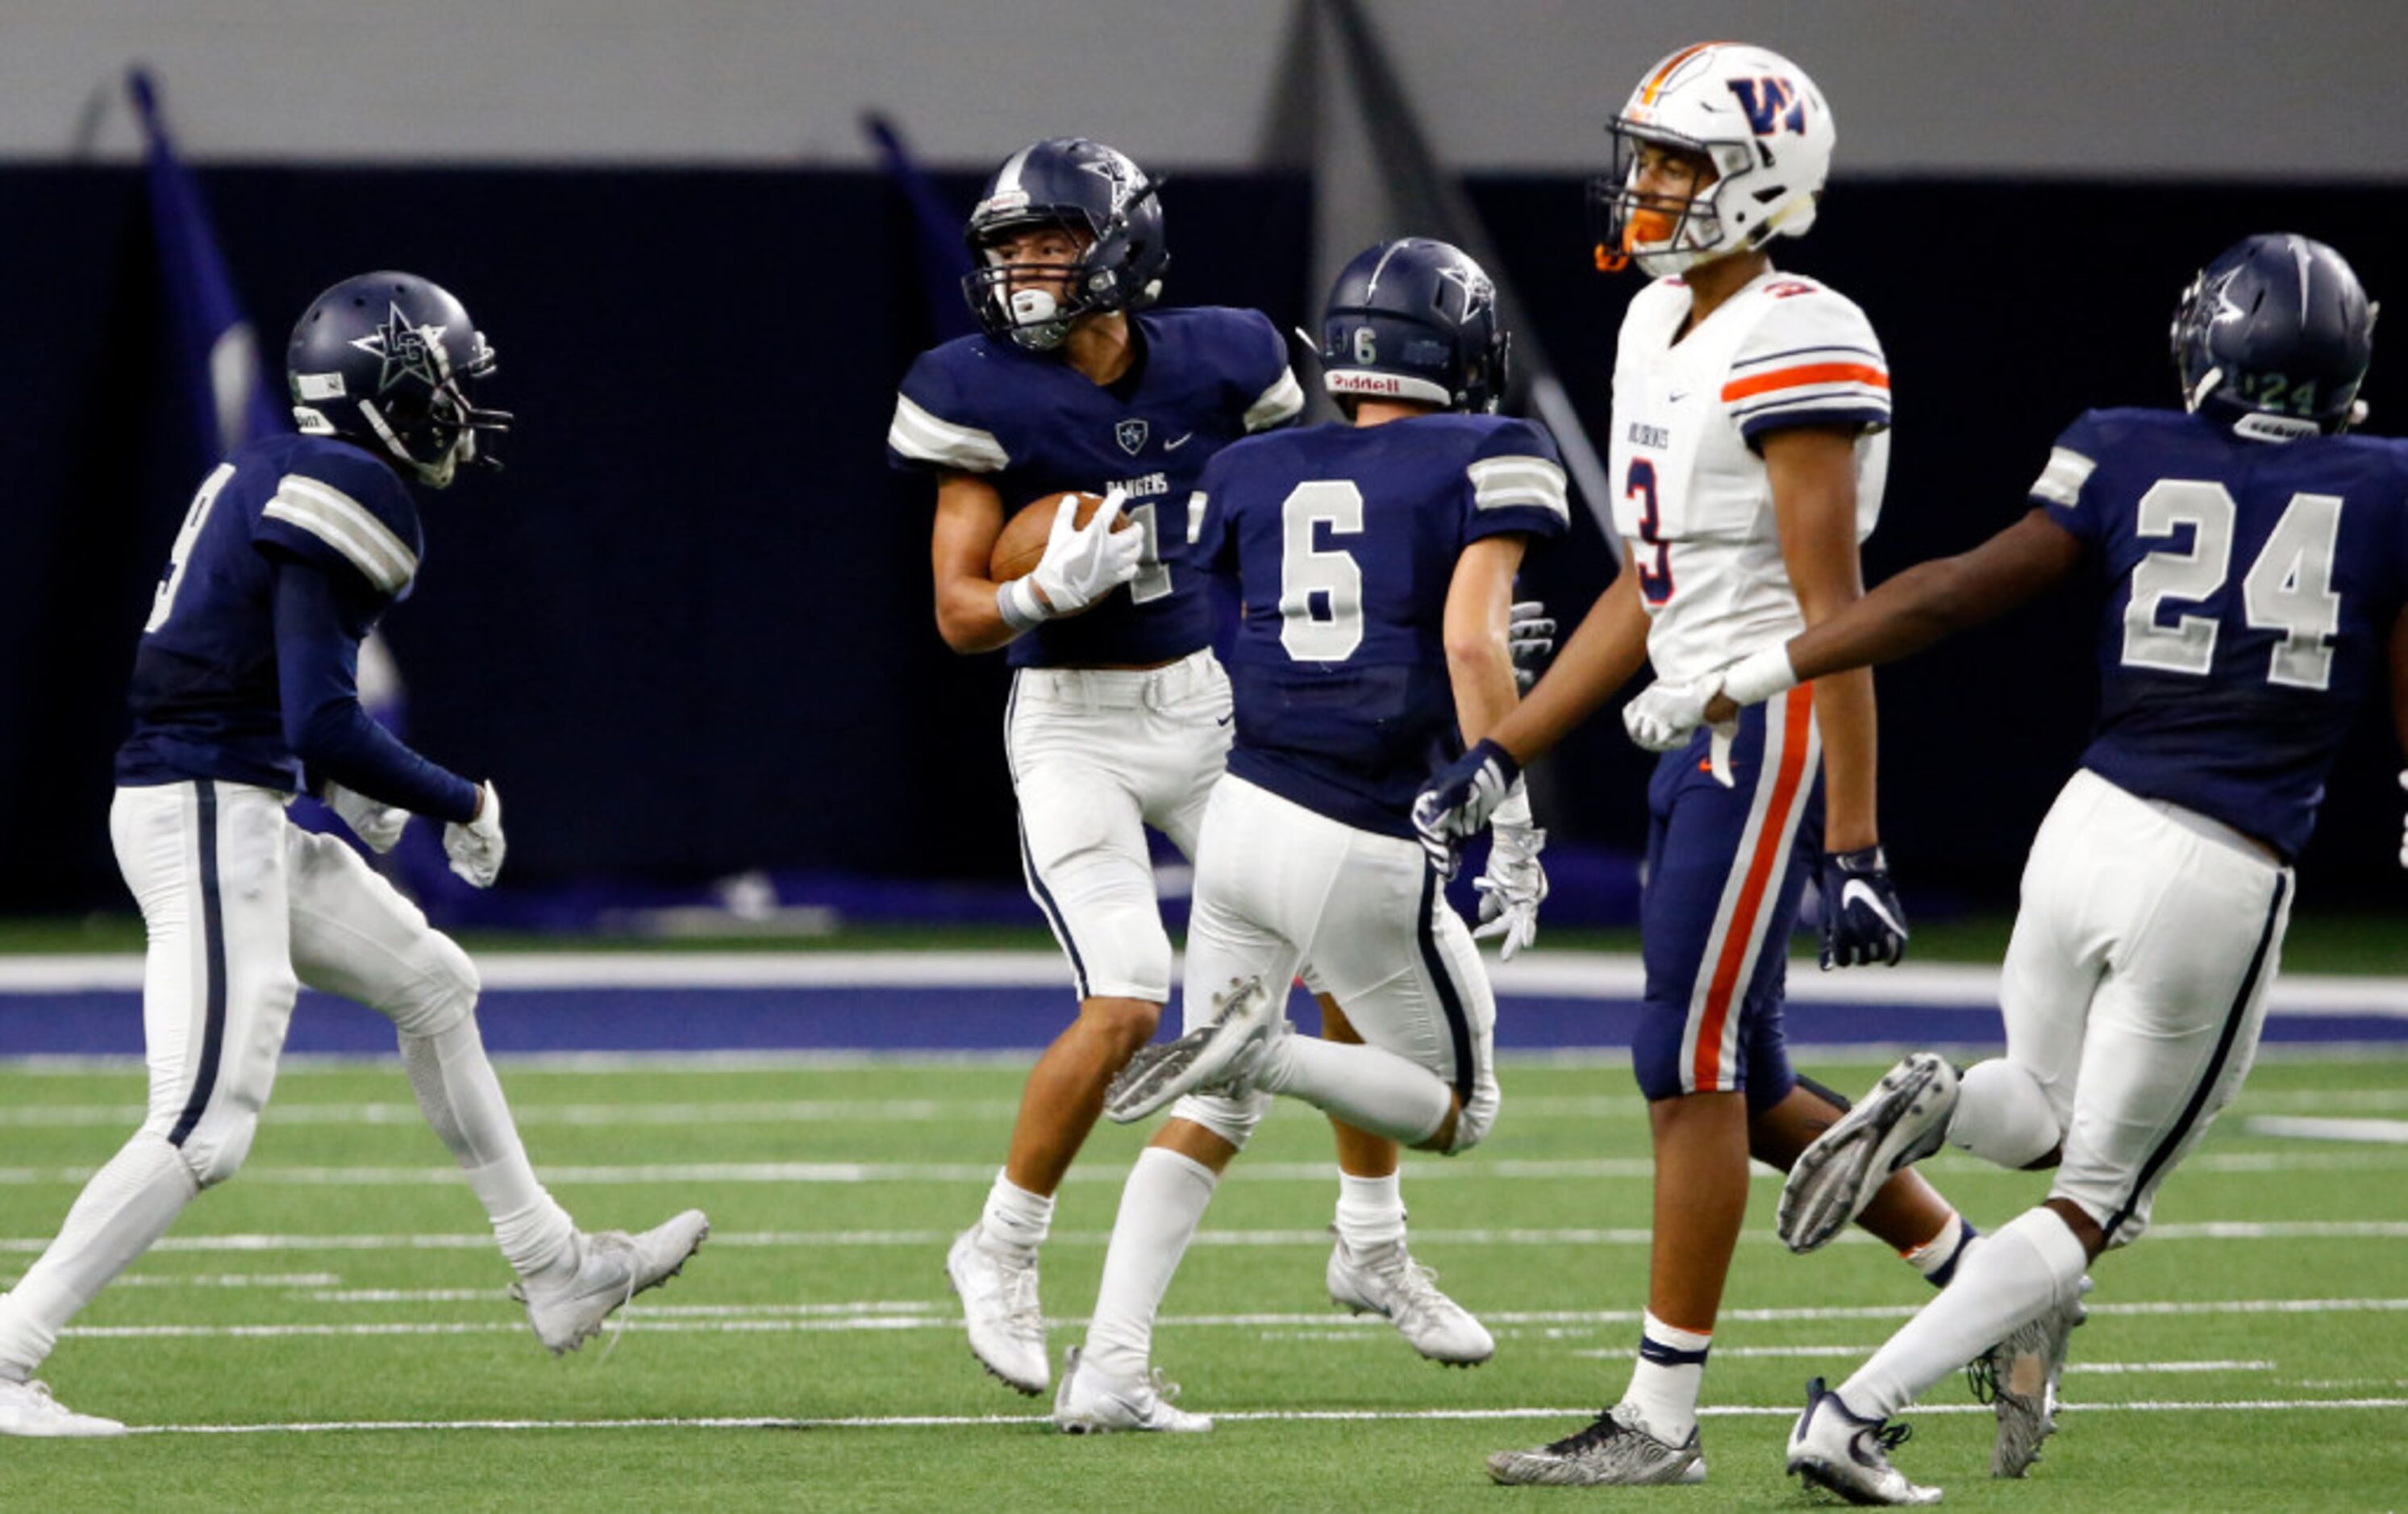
x=1863 y=921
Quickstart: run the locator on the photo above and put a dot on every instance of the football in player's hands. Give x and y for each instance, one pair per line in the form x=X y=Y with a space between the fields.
x=1021 y=545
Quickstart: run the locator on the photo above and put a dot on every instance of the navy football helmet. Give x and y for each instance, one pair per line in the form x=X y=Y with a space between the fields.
x=1415 y=320
x=384 y=361
x=1090 y=191
x=2273 y=339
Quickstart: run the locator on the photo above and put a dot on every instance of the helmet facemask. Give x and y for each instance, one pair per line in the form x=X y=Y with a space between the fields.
x=435 y=433
x=1033 y=303
x=1010 y=298
x=1664 y=233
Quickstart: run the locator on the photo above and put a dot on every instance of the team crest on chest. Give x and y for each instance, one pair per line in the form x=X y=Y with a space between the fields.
x=1131 y=436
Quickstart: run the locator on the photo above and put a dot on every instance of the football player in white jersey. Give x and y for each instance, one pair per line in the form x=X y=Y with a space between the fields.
x=1750 y=415
x=1119 y=712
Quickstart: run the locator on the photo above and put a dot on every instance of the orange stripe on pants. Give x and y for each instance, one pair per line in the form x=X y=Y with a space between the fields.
x=1706 y=1072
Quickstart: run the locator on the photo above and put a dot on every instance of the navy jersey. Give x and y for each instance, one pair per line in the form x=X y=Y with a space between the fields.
x=204 y=699
x=1033 y=425
x=2252 y=587
x=1343 y=541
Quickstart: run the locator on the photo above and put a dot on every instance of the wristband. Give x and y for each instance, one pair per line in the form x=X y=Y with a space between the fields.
x=1018 y=604
x=1759 y=675
x=1514 y=809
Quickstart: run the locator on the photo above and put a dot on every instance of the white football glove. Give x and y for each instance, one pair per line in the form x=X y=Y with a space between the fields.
x=476 y=848
x=373 y=822
x=1512 y=888
x=1530 y=639
x=1665 y=715
x=1083 y=564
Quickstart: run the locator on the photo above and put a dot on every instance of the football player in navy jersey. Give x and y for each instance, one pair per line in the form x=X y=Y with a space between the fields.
x=243 y=695
x=1374 y=565
x=1118 y=713
x=2255 y=558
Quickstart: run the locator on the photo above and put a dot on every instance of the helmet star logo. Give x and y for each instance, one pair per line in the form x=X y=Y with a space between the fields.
x=1477 y=290
x=2224 y=310
x=404 y=352
x=1120 y=174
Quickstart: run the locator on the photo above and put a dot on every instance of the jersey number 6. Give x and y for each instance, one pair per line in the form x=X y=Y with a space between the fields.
x=1330 y=631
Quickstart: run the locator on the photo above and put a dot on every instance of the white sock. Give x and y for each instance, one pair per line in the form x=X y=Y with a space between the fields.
x=2017 y=1271
x=124 y=1209
x=462 y=1100
x=2002 y=1116
x=1666 y=1379
x=1939 y=1258
x=1370 y=1210
x=1161 y=1205
x=1015 y=1218
x=1367 y=1085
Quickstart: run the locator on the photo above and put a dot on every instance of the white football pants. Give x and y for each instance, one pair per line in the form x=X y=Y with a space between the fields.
x=1096 y=755
x=1279 y=886
x=2135 y=986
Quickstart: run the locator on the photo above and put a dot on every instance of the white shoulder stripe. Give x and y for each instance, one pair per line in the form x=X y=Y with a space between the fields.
x=2061 y=482
x=348 y=526
x=1498 y=482
x=1277 y=404
x=917 y=434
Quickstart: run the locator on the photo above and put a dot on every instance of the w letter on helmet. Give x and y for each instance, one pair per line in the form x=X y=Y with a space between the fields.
x=1772 y=104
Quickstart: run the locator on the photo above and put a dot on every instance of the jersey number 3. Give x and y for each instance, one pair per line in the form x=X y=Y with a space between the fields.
x=163 y=603
x=2289 y=589
x=1329 y=631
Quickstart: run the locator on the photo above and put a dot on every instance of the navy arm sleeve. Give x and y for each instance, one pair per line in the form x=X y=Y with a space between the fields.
x=317 y=670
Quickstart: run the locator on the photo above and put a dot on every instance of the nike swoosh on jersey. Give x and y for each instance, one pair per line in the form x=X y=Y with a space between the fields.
x=1859 y=892
x=1174 y=446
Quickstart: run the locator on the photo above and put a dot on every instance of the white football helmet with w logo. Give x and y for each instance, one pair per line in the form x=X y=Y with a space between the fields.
x=1756 y=117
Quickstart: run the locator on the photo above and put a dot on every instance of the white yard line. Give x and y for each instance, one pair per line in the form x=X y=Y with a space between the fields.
x=1592 y=976
x=2218 y=1230
x=2373 y=1132
x=1524 y=1107
x=949 y=1421
x=938 y=1314
x=259 y=1174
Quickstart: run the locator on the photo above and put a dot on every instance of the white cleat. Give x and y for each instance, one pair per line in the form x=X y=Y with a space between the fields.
x=27 y=1408
x=1089 y=1403
x=1385 y=1281
x=1833 y=1449
x=1902 y=1121
x=1216 y=1054
x=1616 y=1451
x=998 y=1293
x=612 y=1268
x=2018 y=1377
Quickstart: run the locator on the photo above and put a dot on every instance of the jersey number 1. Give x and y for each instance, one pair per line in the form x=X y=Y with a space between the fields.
x=2287 y=590
x=163 y=603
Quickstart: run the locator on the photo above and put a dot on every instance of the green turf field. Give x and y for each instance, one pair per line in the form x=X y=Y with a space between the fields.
x=344 y=1277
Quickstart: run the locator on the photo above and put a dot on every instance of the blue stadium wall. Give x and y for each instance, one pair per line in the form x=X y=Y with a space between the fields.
x=689 y=630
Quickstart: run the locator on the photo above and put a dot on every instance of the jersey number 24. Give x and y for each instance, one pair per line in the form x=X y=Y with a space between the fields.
x=2287 y=590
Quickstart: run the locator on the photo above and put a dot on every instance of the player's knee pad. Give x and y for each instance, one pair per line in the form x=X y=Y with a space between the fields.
x=218 y=1144
x=1232 y=1119
x=1475 y=1117
x=2003 y=1115
x=1122 y=951
x=443 y=994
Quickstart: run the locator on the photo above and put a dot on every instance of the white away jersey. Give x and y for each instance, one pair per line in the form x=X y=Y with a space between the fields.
x=1694 y=502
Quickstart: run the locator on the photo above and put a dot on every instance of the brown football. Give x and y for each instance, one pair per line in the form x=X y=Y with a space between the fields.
x=1021 y=546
